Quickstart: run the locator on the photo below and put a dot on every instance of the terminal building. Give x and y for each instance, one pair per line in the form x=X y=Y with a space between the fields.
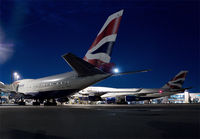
x=185 y=97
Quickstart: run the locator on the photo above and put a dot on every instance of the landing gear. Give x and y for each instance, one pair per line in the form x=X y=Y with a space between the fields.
x=22 y=103
x=50 y=103
x=147 y=102
x=62 y=100
x=36 y=103
x=19 y=99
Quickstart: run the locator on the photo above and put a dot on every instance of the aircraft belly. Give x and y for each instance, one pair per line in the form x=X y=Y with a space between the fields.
x=57 y=89
x=51 y=94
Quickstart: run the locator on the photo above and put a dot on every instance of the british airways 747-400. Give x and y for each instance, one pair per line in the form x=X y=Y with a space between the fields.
x=94 y=67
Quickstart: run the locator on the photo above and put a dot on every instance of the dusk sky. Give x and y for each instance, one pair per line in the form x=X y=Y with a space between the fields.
x=153 y=34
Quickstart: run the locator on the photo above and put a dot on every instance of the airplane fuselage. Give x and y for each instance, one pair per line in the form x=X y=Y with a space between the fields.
x=144 y=93
x=57 y=86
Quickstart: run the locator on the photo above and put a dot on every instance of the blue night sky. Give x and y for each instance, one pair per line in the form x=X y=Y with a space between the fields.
x=158 y=35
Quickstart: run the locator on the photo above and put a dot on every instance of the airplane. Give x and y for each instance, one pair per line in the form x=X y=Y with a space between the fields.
x=94 y=67
x=135 y=94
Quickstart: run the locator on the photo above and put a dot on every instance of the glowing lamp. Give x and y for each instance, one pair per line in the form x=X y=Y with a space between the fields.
x=116 y=70
x=15 y=73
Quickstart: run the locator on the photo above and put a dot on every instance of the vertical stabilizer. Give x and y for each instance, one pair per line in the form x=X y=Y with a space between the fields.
x=100 y=51
x=177 y=81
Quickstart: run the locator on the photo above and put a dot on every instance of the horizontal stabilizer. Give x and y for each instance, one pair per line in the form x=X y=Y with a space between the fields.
x=82 y=67
x=181 y=89
x=131 y=72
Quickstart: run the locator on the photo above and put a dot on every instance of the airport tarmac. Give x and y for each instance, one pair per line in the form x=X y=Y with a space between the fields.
x=100 y=121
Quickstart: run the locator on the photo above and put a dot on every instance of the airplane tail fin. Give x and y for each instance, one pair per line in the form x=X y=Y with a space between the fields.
x=177 y=81
x=99 y=54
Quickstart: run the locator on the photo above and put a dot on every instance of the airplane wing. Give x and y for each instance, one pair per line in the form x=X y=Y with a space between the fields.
x=131 y=72
x=2 y=87
x=106 y=95
x=84 y=68
x=172 y=90
x=124 y=91
x=7 y=88
x=180 y=90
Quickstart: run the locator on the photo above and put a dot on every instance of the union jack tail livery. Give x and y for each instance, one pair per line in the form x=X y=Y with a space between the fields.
x=100 y=51
x=177 y=81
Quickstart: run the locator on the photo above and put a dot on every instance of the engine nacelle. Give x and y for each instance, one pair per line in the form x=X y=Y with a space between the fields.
x=133 y=98
x=63 y=99
x=110 y=100
x=94 y=98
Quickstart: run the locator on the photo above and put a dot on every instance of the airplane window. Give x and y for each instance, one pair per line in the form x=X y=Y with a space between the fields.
x=67 y=83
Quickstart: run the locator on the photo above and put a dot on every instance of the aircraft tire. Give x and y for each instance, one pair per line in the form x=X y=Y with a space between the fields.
x=36 y=103
x=50 y=104
x=22 y=103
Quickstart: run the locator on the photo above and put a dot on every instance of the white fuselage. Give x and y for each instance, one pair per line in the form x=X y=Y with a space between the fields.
x=107 y=92
x=144 y=93
x=57 y=86
x=93 y=90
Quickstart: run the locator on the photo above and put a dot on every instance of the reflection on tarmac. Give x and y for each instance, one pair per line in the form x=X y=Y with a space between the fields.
x=100 y=121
